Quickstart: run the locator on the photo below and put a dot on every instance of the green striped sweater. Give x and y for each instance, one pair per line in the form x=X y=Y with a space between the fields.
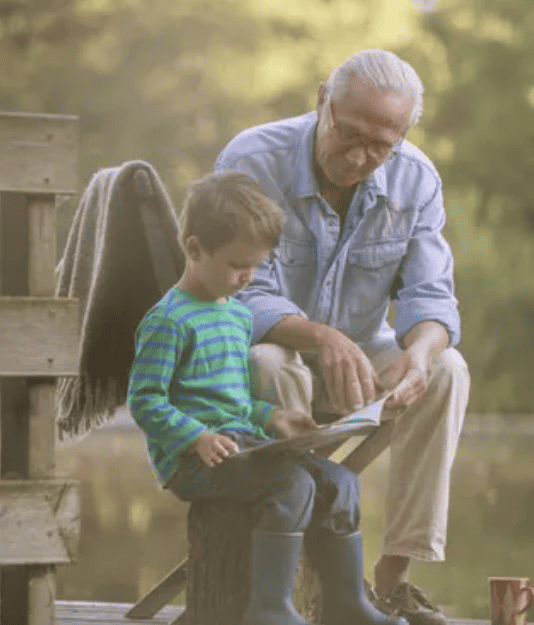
x=190 y=374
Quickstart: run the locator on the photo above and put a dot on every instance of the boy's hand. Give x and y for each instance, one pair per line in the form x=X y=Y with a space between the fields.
x=289 y=423
x=214 y=448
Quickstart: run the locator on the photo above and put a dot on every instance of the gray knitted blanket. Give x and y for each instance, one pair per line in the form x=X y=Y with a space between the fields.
x=122 y=254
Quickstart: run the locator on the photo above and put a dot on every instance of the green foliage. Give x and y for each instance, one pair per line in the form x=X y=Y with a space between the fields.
x=171 y=82
x=475 y=59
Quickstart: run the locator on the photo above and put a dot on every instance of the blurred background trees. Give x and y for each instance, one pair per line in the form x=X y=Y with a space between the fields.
x=171 y=82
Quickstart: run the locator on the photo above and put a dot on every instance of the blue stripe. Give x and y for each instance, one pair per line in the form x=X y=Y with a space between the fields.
x=184 y=439
x=173 y=304
x=135 y=404
x=152 y=412
x=146 y=360
x=223 y=387
x=212 y=373
x=218 y=324
x=201 y=410
x=195 y=313
x=219 y=339
x=166 y=346
x=162 y=329
x=245 y=314
x=211 y=357
x=153 y=377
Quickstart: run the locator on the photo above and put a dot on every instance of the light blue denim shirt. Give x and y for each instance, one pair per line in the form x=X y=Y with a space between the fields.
x=344 y=276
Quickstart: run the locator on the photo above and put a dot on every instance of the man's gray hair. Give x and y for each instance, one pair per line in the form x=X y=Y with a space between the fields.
x=379 y=68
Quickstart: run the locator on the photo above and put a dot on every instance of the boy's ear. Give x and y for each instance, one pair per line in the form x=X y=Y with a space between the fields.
x=192 y=247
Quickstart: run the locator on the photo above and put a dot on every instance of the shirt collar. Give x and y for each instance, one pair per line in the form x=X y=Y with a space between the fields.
x=306 y=185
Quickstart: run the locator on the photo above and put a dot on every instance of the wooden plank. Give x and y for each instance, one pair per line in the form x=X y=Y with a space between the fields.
x=162 y=593
x=42 y=225
x=38 y=153
x=39 y=521
x=93 y=612
x=97 y=613
x=39 y=336
x=42 y=444
x=42 y=237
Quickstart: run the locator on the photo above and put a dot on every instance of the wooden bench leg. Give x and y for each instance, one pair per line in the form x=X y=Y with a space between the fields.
x=357 y=459
x=162 y=593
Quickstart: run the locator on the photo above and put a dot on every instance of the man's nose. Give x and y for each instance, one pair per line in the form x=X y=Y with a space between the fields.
x=357 y=155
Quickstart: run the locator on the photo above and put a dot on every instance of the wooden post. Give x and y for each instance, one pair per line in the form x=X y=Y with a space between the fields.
x=41 y=427
x=38 y=158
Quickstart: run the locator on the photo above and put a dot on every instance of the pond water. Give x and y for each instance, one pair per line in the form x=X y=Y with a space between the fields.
x=133 y=533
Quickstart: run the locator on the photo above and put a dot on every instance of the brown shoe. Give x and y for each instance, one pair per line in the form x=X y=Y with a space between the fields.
x=408 y=601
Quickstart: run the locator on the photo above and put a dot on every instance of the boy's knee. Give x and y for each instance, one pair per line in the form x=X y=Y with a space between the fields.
x=293 y=506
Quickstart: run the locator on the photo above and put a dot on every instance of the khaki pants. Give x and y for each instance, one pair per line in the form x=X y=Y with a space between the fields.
x=423 y=444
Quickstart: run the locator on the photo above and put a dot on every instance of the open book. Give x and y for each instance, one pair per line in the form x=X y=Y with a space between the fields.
x=358 y=423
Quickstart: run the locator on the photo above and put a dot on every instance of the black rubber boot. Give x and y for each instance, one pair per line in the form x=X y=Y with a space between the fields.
x=339 y=560
x=273 y=566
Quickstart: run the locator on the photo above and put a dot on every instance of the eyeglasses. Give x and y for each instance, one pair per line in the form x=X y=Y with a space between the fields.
x=348 y=136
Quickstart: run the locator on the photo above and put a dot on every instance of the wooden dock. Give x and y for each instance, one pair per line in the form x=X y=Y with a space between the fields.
x=93 y=613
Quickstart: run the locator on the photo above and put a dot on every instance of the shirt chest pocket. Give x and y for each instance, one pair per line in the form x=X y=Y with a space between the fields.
x=296 y=270
x=296 y=254
x=369 y=274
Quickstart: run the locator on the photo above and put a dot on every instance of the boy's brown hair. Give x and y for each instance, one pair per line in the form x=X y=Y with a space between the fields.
x=222 y=205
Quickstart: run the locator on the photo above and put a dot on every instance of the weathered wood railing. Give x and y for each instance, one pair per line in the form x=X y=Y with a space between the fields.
x=39 y=515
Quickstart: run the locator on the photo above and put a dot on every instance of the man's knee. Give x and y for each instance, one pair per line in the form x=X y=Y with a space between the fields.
x=269 y=358
x=450 y=369
x=279 y=375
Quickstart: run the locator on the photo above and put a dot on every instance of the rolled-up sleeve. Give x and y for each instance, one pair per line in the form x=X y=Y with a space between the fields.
x=265 y=301
x=427 y=291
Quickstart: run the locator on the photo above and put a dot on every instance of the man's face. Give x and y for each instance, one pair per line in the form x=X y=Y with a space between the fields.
x=357 y=134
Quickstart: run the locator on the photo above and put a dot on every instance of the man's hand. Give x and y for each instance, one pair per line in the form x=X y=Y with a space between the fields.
x=348 y=375
x=214 y=448
x=289 y=423
x=408 y=374
x=407 y=377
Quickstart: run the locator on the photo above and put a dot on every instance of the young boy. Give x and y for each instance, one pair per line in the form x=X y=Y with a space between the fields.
x=190 y=393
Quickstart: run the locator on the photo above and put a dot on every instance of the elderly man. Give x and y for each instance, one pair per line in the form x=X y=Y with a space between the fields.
x=364 y=214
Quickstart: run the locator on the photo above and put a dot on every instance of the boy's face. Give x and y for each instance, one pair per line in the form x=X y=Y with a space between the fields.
x=226 y=271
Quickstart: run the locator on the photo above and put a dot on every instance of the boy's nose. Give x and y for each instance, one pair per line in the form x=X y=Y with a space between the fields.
x=246 y=276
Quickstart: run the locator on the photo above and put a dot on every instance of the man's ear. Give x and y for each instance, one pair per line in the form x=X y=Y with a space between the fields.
x=321 y=96
x=192 y=247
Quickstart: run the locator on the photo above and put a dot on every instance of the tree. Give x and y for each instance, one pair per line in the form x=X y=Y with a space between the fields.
x=477 y=63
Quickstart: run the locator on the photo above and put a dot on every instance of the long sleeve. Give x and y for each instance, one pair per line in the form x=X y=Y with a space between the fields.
x=159 y=344
x=427 y=292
